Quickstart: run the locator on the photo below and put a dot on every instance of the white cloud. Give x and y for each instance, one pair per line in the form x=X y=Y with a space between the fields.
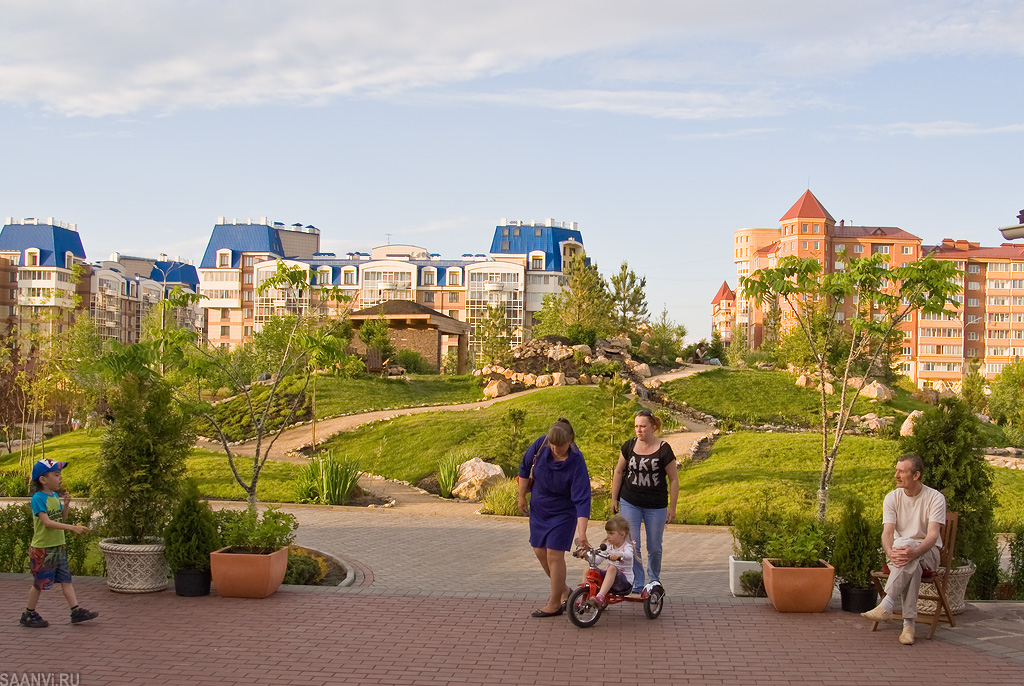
x=96 y=57
x=935 y=129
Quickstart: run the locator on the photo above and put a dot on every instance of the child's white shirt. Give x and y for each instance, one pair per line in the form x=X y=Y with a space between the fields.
x=624 y=566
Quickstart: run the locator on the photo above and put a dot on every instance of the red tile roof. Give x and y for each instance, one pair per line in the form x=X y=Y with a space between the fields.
x=1006 y=251
x=768 y=249
x=809 y=207
x=724 y=293
x=876 y=232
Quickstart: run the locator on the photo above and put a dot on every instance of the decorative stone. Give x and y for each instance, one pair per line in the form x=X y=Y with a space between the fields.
x=907 y=429
x=802 y=381
x=509 y=373
x=584 y=348
x=642 y=370
x=544 y=380
x=570 y=381
x=476 y=477
x=530 y=379
x=877 y=391
x=497 y=388
x=584 y=380
x=829 y=389
x=557 y=379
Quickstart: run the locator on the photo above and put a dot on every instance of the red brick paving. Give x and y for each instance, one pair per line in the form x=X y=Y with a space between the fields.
x=367 y=637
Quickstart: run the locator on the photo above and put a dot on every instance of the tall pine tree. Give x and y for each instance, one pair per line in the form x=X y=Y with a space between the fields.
x=629 y=300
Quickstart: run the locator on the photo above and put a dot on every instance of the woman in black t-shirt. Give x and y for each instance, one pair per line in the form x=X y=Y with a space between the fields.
x=645 y=488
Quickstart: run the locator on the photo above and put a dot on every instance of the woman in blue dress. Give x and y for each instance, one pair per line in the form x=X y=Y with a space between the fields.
x=559 y=505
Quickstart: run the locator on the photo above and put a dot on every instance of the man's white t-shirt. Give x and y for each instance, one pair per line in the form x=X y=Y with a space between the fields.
x=911 y=514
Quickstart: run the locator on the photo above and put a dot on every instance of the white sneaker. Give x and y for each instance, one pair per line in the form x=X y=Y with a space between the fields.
x=879 y=614
x=907 y=637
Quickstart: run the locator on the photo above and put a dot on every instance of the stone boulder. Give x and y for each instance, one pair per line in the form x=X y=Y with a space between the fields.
x=583 y=348
x=557 y=379
x=829 y=389
x=877 y=391
x=642 y=370
x=544 y=380
x=497 y=388
x=571 y=381
x=560 y=352
x=907 y=429
x=983 y=418
x=766 y=366
x=476 y=477
x=802 y=381
x=621 y=343
x=584 y=380
x=529 y=379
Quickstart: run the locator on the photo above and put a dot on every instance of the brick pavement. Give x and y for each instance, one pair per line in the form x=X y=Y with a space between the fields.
x=445 y=600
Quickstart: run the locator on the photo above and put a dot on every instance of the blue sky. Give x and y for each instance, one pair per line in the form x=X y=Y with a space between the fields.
x=661 y=127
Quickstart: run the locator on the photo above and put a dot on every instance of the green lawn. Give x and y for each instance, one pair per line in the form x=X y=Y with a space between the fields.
x=81 y=449
x=335 y=396
x=745 y=464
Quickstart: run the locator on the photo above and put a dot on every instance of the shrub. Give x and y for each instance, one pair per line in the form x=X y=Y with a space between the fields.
x=752 y=527
x=15 y=535
x=14 y=484
x=448 y=472
x=801 y=542
x=502 y=499
x=192 y=534
x=1016 y=544
x=752 y=583
x=248 y=531
x=856 y=548
x=304 y=568
x=326 y=480
x=413 y=362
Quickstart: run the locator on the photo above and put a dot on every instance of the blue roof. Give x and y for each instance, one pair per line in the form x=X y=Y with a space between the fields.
x=165 y=271
x=528 y=241
x=239 y=238
x=51 y=241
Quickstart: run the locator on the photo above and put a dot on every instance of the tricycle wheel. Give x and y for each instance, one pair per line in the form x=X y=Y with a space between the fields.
x=582 y=612
x=654 y=603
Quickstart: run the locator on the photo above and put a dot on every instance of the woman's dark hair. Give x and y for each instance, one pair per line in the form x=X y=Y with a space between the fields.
x=561 y=432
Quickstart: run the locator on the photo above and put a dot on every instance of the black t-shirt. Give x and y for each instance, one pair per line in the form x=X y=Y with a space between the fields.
x=644 y=483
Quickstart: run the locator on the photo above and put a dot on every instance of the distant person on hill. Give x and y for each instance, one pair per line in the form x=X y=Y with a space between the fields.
x=912 y=515
x=559 y=505
x=645 y=488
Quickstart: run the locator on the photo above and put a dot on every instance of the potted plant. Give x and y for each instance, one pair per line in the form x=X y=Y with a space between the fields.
x=751 y=528
x=796 y=579
x=255 y=557
x=189 y=539
x=854 y=556
x=139 y=479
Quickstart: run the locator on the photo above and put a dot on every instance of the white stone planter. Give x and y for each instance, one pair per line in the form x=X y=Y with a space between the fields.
x=956 y=590
x=135 y=568
x=736 y=568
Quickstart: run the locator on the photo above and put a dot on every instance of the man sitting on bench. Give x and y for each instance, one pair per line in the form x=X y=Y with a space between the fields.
x=912 y=515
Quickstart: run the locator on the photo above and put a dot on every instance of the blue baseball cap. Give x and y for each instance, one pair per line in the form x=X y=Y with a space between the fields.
x=46 y=465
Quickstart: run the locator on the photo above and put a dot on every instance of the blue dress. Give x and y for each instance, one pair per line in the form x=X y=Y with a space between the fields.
x=561 y=494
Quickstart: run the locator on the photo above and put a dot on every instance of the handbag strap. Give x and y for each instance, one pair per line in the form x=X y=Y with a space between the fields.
x=535 y=453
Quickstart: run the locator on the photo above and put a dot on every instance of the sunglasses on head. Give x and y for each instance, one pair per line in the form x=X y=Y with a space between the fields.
x=644 y=413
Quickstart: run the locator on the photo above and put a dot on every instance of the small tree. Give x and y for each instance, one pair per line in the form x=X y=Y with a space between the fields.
x=717 y=349
x=665 y=339
x=855 y=553
x=584 y=301
x=739 y=346
x=192 y=533
x=886 y=298
x=973 y=388
x=1007 y=390
x=629 y=301
x=947 y=437
x=494 y=336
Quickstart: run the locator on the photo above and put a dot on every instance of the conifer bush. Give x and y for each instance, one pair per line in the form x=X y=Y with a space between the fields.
x=947 y=437
x=192 y=534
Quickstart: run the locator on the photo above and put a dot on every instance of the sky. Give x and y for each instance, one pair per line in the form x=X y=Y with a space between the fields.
x=660 y=127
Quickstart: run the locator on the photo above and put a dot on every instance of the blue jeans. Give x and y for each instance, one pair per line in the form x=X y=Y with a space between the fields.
x=653 y=520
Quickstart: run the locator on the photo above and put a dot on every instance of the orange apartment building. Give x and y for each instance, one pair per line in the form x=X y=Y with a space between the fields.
x=987 y=322
x=723 y=312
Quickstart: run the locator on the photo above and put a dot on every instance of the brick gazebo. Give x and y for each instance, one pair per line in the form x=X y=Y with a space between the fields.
x=415 y=327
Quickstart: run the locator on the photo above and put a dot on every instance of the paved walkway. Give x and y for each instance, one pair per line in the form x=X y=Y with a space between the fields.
x=445 y=599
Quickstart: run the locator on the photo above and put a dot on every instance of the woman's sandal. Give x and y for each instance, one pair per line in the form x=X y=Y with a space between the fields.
x=542 y=613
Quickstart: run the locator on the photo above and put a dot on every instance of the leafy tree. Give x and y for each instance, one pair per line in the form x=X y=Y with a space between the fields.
x=739 y=346
x=665 y=339
x=771 y=338
x=493 y=336
x=973 y=389
x=629 y=301
x=885 y=297
x=1007 y=389
x=584 y=301
x=948 y=439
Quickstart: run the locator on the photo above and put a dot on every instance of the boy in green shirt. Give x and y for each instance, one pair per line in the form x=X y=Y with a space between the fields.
x=47 y=557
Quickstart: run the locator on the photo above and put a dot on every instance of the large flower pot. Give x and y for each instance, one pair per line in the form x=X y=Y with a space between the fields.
x=956 y=590
x=855 y=599
x=247 y=575
x=135 y=568
x=799 y=589
x=192 y=583
x=736 y=569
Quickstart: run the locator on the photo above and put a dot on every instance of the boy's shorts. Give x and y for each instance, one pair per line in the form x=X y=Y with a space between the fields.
x=49 y=566
x=620 y=586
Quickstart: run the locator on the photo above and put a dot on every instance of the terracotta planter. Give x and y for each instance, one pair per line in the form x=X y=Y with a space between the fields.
x=135 y=568
x=247 y=575
x=799 y=589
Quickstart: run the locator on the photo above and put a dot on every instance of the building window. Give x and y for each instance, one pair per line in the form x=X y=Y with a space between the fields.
x=247 y=314
x=804 y=228
x=504 y=245
x=973 y=286
x=858 y=248
x=881 y=249
x=973 y=269
x=225 y=331
x=536 y=233
x=515 y=232
x=805 y=245
x=908 y=250
x=817 y=228
x=225 y=313
x=454 y=314
x=817 y=245
x=453 y=278
x=428 y=297
x=248 y=278
x=453 y=297
x=224 y=260
x=249 y=260
x=973 y=302
x=504 y=232
x=428 y=278
x=246 y=330
x=350 y=278
x=536 y=263
x=248 y=296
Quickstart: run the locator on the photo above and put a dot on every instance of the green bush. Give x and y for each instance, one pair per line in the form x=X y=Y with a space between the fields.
x=192 y=534
x=15 y=535
x=752 y=583
x=326 y=480
x=753 y=526
x=248 y=531
x=855 y=554
x=801 y=542
x=413 y=362
x=304 y=568
x=502 y=499
x=14 y=484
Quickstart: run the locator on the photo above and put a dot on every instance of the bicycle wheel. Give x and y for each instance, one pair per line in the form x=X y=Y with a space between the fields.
x=582 y=613
x=654 y=603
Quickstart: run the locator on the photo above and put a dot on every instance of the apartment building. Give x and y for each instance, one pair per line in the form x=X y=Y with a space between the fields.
x=525 y=263
x=723 y=312
x=42 y=255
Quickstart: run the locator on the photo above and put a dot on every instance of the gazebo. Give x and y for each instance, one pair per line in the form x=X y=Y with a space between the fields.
x=415 y=327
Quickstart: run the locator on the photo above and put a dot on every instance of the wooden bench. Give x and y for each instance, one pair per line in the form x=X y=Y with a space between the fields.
x=938 y=578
